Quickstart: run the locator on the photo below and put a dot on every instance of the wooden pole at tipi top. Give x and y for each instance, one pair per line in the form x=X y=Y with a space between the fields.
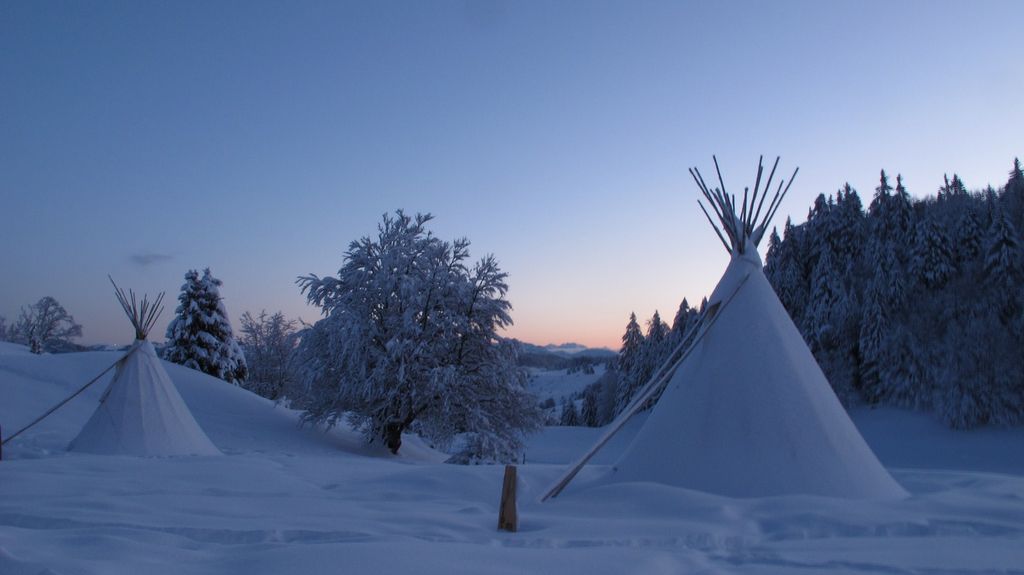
x=142 y=313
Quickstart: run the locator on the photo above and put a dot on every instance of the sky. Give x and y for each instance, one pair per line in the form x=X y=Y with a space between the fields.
x=144 y=139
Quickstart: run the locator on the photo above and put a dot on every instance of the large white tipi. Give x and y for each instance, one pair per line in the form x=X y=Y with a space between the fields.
x=747 y=411
x=141 y=412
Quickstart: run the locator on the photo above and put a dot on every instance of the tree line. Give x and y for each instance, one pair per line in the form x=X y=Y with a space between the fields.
x=913 y=302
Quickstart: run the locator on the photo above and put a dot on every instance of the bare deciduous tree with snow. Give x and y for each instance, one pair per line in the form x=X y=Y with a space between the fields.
x=268 y=342
x=44 y=326
x=409 y=342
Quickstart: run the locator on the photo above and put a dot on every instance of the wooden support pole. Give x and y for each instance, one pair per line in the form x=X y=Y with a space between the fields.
x=508 y=514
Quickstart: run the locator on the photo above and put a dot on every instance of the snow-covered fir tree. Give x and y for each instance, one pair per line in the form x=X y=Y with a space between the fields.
x=409 y=342
x=1013 y=195
x=606 y=390
x=968 y=235
x=653 y=351
x=846 y=230
x=200 y=335
x=570 y=415
x=872 y=341
x=1003 y=264
x=590 y=411
x=901 y=214
x=628 y=364
x=827 y=298
x=932 y=255
x=682 y=321
x=788 y=276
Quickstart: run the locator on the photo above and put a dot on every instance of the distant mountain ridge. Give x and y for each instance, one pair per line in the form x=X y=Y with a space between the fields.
x=569 y=349
x=561 y=356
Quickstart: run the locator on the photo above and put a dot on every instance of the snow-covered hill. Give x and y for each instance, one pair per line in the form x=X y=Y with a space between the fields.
x=291 y=500
x=559 y=383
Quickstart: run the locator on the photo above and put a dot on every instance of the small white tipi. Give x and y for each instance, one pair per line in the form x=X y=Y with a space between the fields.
x=141 y=412
x=747 y=411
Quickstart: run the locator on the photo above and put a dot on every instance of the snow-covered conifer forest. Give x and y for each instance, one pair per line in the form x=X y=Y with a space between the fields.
x=915 y=303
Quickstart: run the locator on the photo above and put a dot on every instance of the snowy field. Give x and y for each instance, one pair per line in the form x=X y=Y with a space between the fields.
x=558 y=384
x=289 y=500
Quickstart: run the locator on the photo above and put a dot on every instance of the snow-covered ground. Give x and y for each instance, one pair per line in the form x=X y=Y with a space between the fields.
x=291 y=500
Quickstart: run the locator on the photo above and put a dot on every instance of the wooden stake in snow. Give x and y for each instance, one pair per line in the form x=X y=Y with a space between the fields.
x=508 y=514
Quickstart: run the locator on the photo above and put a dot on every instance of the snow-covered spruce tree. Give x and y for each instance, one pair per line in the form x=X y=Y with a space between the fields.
x=607 y=396
x=268 y=342
x=821 y=321
x=932 y=261
x=1013 y=195
x=829 y=326
x=846 y=231
x=872 y=341
x=200 y=335
x=787 y=275
x=883 y=194
x=901 y=213
x=628 y=364
x=1003 y=268
x=45 y=326
x=891 y=215
x=653 y=352
x=409 y=342
x=684 y=321
x=590 y=410
x=968 y=235
x=570 y=415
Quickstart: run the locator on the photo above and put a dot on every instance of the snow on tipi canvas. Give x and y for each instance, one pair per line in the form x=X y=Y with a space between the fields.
x=746 y=411
x=141 y=412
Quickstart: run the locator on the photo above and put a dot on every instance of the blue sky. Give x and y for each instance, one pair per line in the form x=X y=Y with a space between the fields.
x=142 y=139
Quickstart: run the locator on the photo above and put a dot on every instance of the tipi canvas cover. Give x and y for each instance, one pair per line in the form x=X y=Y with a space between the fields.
x=142 y=413
x=749 y=413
